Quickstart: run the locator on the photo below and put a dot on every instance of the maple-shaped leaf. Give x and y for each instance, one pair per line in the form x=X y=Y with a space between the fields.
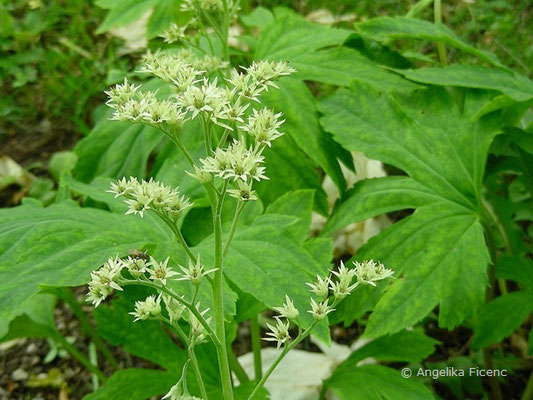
x=438 y=252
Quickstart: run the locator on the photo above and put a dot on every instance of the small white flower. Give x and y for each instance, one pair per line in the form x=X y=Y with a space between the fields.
x=265 y=73
x=244 y=192
x=149 y=308
x=244 y=86
x=105 y=280
x=280 y=332
x=320 y=310
x=198 y=331
x=195 y=272
x=175 y=309
x=320 y=287
x=160 y=271
x=343 y=286
x=121 y=187
x=174 y=33
x=368 y=272
x=287 y=310
x=135 y=266
x=263 y=126
x=121 y=94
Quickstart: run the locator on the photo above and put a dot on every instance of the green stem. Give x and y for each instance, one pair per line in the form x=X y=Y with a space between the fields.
x=234 y=223
x=171 y=293
x=438 y=20
x=197 y=372
x=286 y=349
x=218 y=301
x=236 y=367
x=80 y=357
x=70 y=299
x=256 y=346
x=179 y=236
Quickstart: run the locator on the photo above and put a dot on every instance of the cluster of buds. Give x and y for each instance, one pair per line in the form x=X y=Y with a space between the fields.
x=195 y=272
x=236 y=162
x=130 y=104
x=339 y=283
x=198 y=332
x=263 y=126
x=147 y=309
x=150 y=195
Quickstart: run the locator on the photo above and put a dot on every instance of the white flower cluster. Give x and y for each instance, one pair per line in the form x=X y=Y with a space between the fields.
x=146 y=309
x=109 y=276
x=130 y=104
x=195 y=272
x=263 y=126
x=236 y=162
x=339 y=283
x=150 y=195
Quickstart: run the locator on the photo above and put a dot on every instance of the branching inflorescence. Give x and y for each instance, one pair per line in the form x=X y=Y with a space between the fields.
x=236 y=129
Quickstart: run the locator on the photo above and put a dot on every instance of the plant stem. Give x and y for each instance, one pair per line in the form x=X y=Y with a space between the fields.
x=70 y=299
x=197 y=372
x=78 y=355
x=286 y=349
x=179 y=236
x=218 y=301
x=236 y=367
x=437 y=12
x=256 y=346
x=236 y=216
x=171 y=293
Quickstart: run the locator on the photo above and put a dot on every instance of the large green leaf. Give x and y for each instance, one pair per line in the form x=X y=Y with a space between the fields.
x=301 y=122
x=501 y=316
x=135 y=384
x=123 y=12
x=145 y=339
x=406 y=345
x=375 y=382
x=60 y=246
x=388 y=28
x=440 y=248
x=517 y=87
x=290 y=35
x=289 y=169
x=115 y=149
x=298 y=204
x=341 y=66
x=267 y=262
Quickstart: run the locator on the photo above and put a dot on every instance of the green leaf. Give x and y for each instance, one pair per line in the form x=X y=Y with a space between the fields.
x=146 y=339
x=298 y=204
x=259 y=17
x=267 y=262
x=291 y=35
x=164 y=14
x=440 y=248
x=387 y=28
x=342 y=66
x=36 y=319
x=297 y=103
x=61 y=162
x=115 y=149
x=289 y=169
x=517 y=87
x=515 y=268
x=501 y=316
x=60 y=246
x=375 y=382
x=409 y=346
x=123 y=12
x=372 y=197
x=135 y=384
